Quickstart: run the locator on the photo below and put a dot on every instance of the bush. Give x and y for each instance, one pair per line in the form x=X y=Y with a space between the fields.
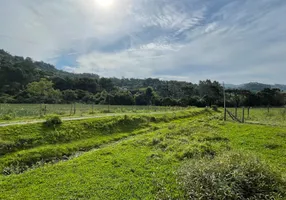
x=155 y=141
x=7 y=117
x=231 y=176
x=152 y=119
x=53 y=120
x=215 y=108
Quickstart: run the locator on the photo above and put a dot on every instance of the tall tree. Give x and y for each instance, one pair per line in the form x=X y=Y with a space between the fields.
x=44 y=92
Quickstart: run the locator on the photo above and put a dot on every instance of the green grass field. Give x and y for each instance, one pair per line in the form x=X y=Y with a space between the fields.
x=182 y=155
x=12 y=112
x=275 y=116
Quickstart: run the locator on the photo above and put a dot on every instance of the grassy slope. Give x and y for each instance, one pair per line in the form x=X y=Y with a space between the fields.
x=26 y=145
x=144 y=166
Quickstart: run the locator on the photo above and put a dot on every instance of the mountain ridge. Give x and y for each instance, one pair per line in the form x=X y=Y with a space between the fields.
x=255 y=86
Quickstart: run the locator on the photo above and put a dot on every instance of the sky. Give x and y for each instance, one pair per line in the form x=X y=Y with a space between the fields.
x=232 y=41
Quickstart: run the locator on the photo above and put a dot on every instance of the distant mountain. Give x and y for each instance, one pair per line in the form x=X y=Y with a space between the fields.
x=231 y=86
x=254 y=86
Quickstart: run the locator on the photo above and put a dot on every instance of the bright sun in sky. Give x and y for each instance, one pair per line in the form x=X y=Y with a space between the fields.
x=105 y=3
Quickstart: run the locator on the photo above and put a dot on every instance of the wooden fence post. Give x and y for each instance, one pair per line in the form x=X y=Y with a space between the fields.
x=242 y=115
x=74 y=109
x=40 y=110
x=248 y=112
x=45 y=111
x=235 y=114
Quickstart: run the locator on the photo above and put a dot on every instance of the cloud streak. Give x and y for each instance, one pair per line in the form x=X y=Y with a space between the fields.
x=234 y=41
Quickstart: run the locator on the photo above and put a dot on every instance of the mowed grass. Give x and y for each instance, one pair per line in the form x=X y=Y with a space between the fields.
x=147 y=165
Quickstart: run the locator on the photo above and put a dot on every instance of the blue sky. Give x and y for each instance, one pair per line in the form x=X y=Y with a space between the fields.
x=234 y=41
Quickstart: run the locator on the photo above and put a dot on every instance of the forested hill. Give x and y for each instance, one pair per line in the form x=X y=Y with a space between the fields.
x=255 y=87
x=23 y=80
x=12 y=64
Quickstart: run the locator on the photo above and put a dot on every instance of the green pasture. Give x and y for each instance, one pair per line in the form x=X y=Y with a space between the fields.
x=10 y=112
x=191 y=154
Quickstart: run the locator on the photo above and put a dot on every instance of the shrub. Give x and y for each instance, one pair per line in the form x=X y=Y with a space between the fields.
x=7 y=117
x=155 y=141
x=152 y=119
x=53 y=120
x=231 y=176
x=215 y=108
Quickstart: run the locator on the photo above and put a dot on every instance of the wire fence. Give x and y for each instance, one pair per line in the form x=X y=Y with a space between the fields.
x=265 y=115
x=11 y=111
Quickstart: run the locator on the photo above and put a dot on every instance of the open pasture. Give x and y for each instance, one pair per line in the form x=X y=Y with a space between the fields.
x=24 y=111
x=191 y=154
x=269 y=116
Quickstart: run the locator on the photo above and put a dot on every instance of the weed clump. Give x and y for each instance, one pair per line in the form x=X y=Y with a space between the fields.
x=197 y=151
x=53 y=120
x=231 y=176
x=172 y=126
x=215 y=108
x=153 y=119
x=272 y=146
x=7 y=117
x=155 y=141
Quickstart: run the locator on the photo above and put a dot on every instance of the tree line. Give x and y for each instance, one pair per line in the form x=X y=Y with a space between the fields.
x=23 y=80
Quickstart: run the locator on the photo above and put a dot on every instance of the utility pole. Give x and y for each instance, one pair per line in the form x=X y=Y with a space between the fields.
x=224 y=103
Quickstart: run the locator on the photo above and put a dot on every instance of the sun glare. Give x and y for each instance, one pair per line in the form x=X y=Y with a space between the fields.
x=105 y=3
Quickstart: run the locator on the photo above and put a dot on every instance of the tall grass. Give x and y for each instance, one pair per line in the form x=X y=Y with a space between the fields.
x=231 y=176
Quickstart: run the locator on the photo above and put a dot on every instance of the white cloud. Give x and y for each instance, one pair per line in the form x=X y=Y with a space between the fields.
x=44 y=29
x=233 y=41
x=211 y=27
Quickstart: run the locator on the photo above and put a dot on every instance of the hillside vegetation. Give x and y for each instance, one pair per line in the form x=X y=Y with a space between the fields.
x=184 y=155
x=23 y=80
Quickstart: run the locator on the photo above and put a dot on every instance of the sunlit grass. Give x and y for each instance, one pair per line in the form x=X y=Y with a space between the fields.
x=142 y=158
